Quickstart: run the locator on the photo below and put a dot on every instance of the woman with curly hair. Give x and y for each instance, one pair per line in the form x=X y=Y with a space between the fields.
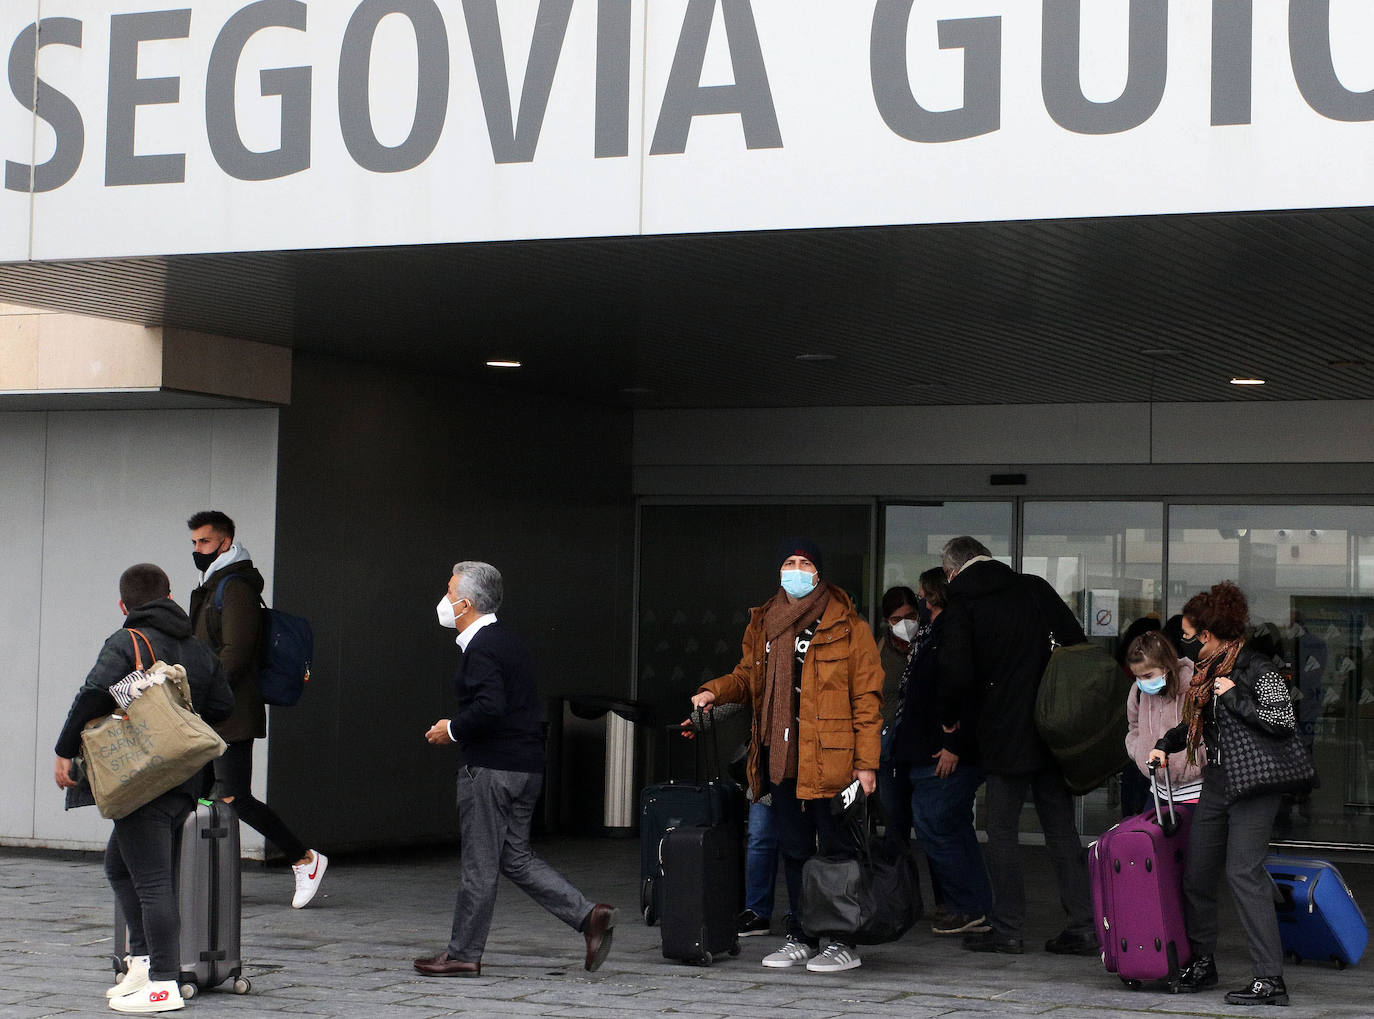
x=1231 y=686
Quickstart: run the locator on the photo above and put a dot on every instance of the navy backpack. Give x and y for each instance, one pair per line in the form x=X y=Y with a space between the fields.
x=287 y=648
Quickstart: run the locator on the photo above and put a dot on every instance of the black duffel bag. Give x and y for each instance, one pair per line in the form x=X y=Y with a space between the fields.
x=869 y=900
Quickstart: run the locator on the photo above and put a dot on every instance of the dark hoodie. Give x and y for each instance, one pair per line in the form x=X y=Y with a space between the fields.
x=995 y=646
x=169 y=632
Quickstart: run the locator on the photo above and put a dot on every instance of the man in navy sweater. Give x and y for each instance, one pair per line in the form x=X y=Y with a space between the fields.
x=498 y=730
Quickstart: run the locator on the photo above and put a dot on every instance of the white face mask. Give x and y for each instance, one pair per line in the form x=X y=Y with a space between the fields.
x=905 y=629
x=446 y=617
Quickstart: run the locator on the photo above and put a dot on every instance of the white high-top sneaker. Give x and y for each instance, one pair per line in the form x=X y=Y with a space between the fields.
x=135 y=976
x=154 y=996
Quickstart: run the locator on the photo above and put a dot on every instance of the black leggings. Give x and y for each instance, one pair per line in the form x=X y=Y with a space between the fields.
x=234 y=777
x=138 y=865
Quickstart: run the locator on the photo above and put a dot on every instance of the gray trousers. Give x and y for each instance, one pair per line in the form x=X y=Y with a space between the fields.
x=1235 y=839
x=1054 y=805
x=494 y=812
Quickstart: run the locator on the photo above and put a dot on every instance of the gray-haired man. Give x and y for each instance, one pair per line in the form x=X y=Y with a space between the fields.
x=498 y=729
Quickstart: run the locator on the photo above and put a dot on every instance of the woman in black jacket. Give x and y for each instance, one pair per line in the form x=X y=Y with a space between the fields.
x=1231 y=687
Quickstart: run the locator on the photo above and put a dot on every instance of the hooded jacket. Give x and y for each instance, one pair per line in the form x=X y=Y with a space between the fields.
x=840 y=711
x=235 y=634
x=169 y=632
x=1148 y=718
x=994 y=650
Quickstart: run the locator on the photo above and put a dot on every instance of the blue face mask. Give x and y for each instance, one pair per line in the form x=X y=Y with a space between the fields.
x=798 y=583
x=1153 y=685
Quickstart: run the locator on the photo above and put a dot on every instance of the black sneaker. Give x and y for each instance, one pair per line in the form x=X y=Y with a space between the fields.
x=1073 y=943
x=1262 y=991
x=1198 y=975
x=960 y=923
x=991 y=941
x=748 y=924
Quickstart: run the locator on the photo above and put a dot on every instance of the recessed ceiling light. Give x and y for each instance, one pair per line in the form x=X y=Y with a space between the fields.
x=503 y=364
x=815 y=357
x=1242 y=381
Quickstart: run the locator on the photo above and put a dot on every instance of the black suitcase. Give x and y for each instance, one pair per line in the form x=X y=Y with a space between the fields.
x=675 y=804
x=208 y=875
x=702 y=886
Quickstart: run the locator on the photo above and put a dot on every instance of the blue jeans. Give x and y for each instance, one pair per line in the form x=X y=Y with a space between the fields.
x=761 y=860
x=942 y=813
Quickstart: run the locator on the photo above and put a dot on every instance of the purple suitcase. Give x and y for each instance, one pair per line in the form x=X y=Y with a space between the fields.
x=1137 y=878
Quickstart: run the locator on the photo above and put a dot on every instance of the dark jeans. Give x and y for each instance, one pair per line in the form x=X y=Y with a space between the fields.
x=138 y=865
x=942 y=812
x=802 y=826
x=894 y=793
x=1233 y=838
x=1054 y=805
x=234 y=777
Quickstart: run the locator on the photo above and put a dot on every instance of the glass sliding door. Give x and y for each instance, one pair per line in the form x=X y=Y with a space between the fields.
x=1308 y=572
x=1106 y=560
x=914 y=533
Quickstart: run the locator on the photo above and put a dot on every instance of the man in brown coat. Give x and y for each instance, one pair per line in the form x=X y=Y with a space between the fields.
x=811 y=672
x=225 y=614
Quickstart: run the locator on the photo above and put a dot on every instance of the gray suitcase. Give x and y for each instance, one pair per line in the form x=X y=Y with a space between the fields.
x=208 y=876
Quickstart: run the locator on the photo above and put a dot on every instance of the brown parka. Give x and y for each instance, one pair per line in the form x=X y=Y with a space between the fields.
x=840 y=714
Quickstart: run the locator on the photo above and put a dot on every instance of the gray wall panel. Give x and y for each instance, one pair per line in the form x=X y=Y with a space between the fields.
x=1004 y=437
x=25 y=751
x=115 y=488
x=388 y=478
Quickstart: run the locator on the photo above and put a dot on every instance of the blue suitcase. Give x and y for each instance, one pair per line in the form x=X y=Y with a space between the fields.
x=1318 y=917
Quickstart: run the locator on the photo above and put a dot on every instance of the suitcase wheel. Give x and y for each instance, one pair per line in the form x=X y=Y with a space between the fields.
x=242 y=985
x=188 y=991
x=1132 y=984
x=734 y=949
x=1340 y=963
x=705 y=960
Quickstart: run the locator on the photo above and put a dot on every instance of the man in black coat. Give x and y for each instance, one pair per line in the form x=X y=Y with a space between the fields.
x=998 y=628
x=138 y=860
x=499 y=732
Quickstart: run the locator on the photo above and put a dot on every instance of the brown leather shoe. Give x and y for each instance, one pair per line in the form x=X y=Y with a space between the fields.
x=599 y=927
x=442 y=966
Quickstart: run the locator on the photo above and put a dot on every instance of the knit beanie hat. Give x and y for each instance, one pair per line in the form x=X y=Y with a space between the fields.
x=789 y=547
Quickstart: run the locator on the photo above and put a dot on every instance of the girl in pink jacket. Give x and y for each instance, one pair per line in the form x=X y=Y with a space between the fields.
x=1155 y=705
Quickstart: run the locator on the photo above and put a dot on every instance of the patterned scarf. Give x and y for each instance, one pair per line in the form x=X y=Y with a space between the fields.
x=782 y=622
x=1199 y=693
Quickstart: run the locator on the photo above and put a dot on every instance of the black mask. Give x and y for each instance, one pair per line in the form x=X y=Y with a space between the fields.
x=1190 y=647
x=204 y=559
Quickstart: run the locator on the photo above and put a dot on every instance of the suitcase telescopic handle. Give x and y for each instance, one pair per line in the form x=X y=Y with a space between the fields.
x=697 y=724
x=1172 y=825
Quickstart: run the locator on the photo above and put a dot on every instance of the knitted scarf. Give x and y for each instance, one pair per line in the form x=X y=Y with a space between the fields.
x=782 y=621
x=1199 y=692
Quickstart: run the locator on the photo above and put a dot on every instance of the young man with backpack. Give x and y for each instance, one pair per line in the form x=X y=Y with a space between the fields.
x=225 y=613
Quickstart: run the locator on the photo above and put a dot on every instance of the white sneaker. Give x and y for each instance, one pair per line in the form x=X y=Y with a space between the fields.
x=791 y=953
x=135 y=976
x=835 y=958
x=154 y=996
x=308 y=878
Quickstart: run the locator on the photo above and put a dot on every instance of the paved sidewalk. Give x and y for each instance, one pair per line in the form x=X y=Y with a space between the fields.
x=349 y=953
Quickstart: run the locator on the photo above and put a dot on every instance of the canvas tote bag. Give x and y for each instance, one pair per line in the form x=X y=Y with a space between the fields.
x=153 y=745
